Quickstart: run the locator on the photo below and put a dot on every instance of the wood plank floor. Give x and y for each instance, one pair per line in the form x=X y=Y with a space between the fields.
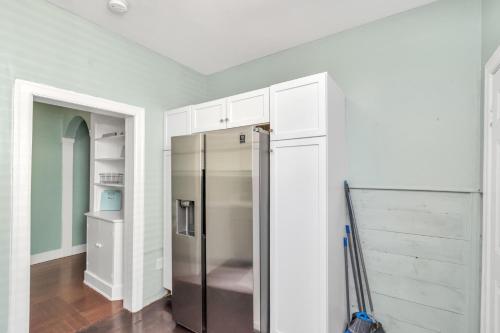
x=155 y=318
x=60 y=302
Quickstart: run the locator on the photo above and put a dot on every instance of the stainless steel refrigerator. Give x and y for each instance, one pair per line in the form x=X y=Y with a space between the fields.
x=220 y=236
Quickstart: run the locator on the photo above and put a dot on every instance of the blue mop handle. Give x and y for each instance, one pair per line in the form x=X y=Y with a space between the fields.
x=346 y=268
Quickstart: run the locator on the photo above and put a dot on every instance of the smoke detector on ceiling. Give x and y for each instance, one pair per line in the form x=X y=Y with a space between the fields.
x=118 y=6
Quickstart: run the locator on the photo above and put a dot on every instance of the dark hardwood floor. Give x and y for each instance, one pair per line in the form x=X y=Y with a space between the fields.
x=155 y=318
x=60 y=302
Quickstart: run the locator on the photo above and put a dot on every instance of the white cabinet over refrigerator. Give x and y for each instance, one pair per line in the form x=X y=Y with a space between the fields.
x=177 y=122
x=307 y=169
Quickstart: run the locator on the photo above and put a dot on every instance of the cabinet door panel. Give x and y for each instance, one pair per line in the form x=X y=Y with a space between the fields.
x=177 y=122
x=167 y=227
x=106 y=255
x=298 y=236
x=298 y=108
x=248 y=108
x=208 y=116
x=92 y=246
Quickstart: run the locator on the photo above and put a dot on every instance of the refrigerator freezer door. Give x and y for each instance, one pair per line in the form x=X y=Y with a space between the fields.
x=187 y=241
x=232 y=231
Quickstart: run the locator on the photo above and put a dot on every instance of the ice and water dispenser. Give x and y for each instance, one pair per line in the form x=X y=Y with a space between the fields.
x=185 y=218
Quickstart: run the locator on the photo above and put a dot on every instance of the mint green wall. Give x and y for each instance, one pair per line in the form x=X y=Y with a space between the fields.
x=81 y=183
x=491 y=27
x=413 y=88
x=413 y=91
x=49 y=126
x=42 y=43
x=46 y=181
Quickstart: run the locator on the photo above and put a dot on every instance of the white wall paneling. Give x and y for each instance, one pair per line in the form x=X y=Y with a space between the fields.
x=421 y=250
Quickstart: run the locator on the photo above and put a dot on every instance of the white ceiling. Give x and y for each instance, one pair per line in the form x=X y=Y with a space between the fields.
x=210 y=36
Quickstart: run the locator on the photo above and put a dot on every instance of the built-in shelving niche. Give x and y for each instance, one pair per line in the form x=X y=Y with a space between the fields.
x=107 y=157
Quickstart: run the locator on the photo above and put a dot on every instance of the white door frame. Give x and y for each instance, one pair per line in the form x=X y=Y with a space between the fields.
x=492 y=68
x=24 y=94
x=67 y=196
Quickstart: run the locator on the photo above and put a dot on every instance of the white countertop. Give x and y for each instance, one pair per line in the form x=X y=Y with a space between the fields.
x=108 y=216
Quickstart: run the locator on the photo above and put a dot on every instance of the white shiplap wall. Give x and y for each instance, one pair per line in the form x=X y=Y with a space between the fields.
x=422 y=251
x=42 y=43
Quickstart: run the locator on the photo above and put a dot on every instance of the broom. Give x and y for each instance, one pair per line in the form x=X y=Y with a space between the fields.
x=361 y=322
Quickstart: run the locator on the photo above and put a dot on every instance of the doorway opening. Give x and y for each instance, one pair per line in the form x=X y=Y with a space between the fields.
x=60 y=198
x=26 y=95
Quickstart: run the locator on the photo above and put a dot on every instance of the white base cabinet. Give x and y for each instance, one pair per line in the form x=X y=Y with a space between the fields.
x=104 y=257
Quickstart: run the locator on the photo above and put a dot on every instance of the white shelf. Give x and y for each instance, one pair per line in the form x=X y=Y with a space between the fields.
x=109 y=185
x=109 y=216
x=105 y=159
x=113 y=137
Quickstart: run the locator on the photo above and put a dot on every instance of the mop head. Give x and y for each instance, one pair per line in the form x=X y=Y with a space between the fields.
x=360 y=323
x=377 y=328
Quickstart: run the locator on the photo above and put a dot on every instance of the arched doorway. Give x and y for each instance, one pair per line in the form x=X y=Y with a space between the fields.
x=76 y=178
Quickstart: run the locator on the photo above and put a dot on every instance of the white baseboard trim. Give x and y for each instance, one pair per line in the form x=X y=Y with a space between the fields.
x=77 y=249
x=154 y=298
x=56 y=254
x=111 y=292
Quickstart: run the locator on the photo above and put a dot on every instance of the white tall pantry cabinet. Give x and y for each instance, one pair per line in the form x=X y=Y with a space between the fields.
x=307 y=217
x=308 y=167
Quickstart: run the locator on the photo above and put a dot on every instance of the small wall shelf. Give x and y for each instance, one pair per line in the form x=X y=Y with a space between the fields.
x=109 y=185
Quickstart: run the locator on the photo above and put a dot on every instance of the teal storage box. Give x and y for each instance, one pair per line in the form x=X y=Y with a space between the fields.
x=111 y=200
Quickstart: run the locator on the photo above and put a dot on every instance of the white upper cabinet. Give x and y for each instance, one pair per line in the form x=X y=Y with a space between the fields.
x=298 y=107
x=249 y=108
x=177 y=122
x=208 y=116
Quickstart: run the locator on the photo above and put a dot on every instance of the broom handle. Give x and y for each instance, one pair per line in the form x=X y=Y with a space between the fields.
x=356 y=256
x=354 y=272
x=346 y=261
x=354 y=227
